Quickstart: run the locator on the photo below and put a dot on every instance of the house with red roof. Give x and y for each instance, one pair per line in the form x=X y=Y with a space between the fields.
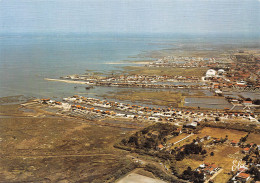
x=160 y=147
x=243 y=177
x=234 y=143
x=248 y=102
x=246 y=150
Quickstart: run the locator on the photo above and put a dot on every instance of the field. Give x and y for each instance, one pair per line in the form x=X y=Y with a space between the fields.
x=162 y=98
x=166 y=71
x=183 y=165
x=224 y=154
x=224 y=157
x=40 y=147
x=221 y=133
x=253 y=138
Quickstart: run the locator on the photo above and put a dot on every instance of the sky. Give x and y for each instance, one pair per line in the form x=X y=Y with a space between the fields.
x=130 y=16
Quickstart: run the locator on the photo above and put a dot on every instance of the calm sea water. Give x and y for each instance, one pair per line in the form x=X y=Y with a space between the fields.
x=25 y=60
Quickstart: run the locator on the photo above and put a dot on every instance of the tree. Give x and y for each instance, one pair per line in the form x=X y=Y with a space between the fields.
x=133 y=140
x=180 y=156
x=187 y=173
x=124 y=141
x=256 y=102
x=148 y=144
x=203 y=152
x=245 y=158
x=226 y=137
x=173 y=169
x=253 y=170
x=212 y=154
x=193 y=176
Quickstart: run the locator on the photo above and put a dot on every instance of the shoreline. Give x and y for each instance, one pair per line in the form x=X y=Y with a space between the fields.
x=125 y=63
x=66 y=81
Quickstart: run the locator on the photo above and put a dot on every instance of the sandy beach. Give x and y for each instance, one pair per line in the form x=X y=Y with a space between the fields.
x=66 y=81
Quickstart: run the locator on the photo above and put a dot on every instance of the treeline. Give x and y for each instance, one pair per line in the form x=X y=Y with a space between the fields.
x=159 y=154
x=243 y=139
x=234 y=126
x=150 y=137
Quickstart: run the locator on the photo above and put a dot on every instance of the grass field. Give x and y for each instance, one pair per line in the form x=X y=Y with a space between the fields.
x=224 y=157
x=224 y=154
x=253 y=138
x=166 y=71
x=185 y=163
x=221 y=133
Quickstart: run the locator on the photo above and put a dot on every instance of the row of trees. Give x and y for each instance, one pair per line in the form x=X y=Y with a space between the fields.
x=233 y=126
x=243 y=139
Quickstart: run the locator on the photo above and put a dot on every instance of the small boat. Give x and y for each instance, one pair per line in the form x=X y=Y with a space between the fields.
x=88 y=87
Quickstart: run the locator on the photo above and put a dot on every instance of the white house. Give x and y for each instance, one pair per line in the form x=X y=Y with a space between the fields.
x=211 y=73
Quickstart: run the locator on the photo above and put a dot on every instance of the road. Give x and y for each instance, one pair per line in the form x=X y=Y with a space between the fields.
x=60 y=156
x=183 y=139
x=211 y=178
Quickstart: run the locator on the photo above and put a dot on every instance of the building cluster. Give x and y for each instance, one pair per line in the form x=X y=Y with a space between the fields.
x=241 y=175
x=243 y=72
x=104 y=108
x=144 y=78
x=244 y=171
x=187 y=62
x=137 y=80
x=147 y=85
x=208 y=169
